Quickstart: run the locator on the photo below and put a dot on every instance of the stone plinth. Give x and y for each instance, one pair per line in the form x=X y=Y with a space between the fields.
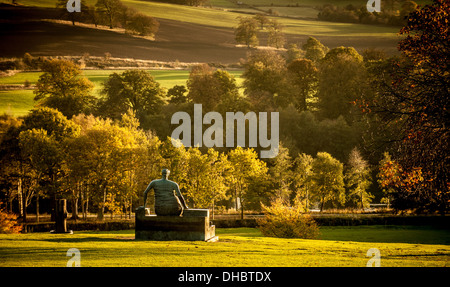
x=192 y=225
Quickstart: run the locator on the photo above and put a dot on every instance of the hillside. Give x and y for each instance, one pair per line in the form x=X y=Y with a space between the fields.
x=185 y=34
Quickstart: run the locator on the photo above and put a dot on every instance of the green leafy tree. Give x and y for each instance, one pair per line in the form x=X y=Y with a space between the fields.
x=342 y=80
x=327 y=181
x=246 y=169
x=132 y=89
x=358 y=181
x=281 y=174
x=62 y=87
x=302 y=175
x=265 y=80
x=212 y=88
x=304 y=77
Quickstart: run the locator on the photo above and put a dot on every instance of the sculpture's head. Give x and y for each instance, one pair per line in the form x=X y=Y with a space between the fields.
x=165 y=173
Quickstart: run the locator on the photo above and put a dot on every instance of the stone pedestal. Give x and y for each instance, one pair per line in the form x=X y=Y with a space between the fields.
x=192 y=225
x=61 y=217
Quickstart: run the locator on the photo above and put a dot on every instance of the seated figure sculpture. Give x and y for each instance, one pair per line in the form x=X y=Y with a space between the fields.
x=173 y=219
x=168 y=198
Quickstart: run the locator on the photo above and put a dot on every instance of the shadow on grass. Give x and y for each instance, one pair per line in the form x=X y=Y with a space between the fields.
x=387 y=234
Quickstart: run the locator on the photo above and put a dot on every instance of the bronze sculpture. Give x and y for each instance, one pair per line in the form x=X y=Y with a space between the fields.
x=168 y=198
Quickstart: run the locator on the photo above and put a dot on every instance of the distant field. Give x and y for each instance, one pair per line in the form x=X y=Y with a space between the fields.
x=19 y=102
x=226 y=19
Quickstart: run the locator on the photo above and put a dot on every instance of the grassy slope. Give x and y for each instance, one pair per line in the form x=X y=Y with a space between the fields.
x=236 y=247
x=221 y=18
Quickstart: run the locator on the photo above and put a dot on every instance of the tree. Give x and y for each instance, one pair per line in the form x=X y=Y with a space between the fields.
x=110 y=9
x=327 y=180
x=211 y=88
x=62 y=4
x=62 y=87
x=205 y=183
x=358 y=180
x=281 y=174
x=135 y=89
x=246 y=169
x=41 y=164
x=314 y=50
x=302 y=175
x=275 y=35
x=246 y=32
x=265 y=80
x=262 y=20
x=342 y=80
x=177 y=94
x=293 y=53
x=412 y=92
x=304 y=76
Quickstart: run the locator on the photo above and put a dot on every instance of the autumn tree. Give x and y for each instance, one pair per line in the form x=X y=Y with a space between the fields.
x=206 y=182
x=62 y=87
x=212 y=88
x=281 y=175
x=265 y=80
x=110 y=9
x=275 y=36
x=327 y=181
x=342 y=79
x=314 y=49
x=247 y=32
x=301 y=177
x=304 y=77
x=358 y=181
x=413 y=94
x=41 y=141
x=246 y=169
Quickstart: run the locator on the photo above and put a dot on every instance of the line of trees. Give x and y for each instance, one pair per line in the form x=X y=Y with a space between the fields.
x=248 y=31
x=329 y=101
x=393 y=12
x=112 y=13
x=103 y=166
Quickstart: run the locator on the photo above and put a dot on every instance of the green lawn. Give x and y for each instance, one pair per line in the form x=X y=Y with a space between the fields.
x=339 y=246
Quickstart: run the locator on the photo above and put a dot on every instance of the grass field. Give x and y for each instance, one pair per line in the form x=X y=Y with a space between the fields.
x=242 y=247
x=228 y=19
x=19 y=102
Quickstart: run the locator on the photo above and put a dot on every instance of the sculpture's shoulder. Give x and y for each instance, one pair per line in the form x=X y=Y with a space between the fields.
x=172 y=183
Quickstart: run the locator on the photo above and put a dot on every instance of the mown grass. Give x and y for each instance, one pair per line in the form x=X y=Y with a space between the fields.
x=236 y=247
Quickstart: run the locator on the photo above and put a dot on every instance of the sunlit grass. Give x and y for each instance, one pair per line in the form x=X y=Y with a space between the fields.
x=236 y=247
x=19 y=102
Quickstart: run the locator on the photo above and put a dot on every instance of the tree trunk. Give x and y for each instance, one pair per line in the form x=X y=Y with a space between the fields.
x=20 y=196
x=37 y=207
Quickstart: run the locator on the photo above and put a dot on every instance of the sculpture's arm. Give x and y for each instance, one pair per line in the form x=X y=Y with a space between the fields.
x=149 y=187
x=180 y=196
